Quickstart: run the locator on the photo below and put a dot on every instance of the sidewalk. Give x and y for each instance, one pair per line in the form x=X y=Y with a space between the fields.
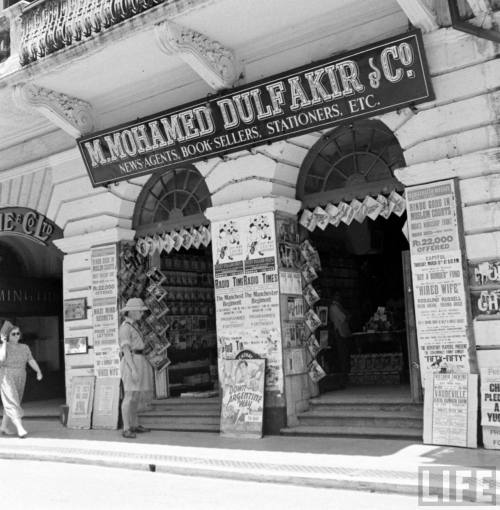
x=350 y=463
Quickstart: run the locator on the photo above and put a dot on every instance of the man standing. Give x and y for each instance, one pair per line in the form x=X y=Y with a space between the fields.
x=340 y=336
x=136 y=372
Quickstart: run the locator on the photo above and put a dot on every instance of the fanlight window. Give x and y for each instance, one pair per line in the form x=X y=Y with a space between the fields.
x=355 y=155
x=177 y=195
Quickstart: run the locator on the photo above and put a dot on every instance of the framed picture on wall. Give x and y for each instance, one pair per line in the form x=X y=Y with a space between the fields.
x=76 y=345
x=75 y=309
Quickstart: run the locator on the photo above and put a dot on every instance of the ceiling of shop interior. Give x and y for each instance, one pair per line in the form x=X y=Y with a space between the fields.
x=130 y=77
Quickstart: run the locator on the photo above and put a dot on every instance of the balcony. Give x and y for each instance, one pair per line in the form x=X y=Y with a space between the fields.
x=31 y=31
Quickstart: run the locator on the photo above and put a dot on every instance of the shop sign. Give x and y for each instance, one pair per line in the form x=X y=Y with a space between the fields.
x=440 y=297
x=450 y=410
x=369 y=81
x=30 y=296
x=485 y=274
x=28 y=223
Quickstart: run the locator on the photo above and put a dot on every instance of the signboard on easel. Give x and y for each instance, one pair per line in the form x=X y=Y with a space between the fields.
x=450 y=410
x=81 y=402
x=242 y=397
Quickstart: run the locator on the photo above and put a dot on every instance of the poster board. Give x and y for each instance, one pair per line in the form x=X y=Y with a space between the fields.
x=106 y=403
x=104 y=292
x=247 y=293
x=450 y=409
x=442 y=303
x=81 y=402
x=242 y=409
x=490 y=407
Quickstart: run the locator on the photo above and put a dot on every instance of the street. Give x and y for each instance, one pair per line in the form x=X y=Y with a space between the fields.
x=54 y=486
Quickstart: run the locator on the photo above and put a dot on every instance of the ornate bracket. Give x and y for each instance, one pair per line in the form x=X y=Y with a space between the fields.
x=69 y=113
x=216 y=64
x=420 y=14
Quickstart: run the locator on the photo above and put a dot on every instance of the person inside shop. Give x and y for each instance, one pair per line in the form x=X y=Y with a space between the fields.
x=339 y=337
x=136 y=372
x=15 y=357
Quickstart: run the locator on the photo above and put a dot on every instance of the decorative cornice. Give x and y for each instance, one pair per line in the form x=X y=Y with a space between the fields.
x=69 y=113
x=419 y=14
x=216 y=64
x=254 y=206
x=86 y=241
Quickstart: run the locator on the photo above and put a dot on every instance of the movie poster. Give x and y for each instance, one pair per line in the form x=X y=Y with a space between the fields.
x=242 y=382
x=247 y=292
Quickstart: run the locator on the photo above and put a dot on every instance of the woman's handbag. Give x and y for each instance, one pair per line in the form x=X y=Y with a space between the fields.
x=3 y=350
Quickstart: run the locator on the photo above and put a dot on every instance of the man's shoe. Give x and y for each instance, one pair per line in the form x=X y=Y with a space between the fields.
x=140 y=429
x=129 y=434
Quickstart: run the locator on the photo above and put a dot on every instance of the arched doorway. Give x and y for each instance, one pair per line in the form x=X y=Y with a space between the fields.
x=173 y=204
x=31 y=294
x=364 y=257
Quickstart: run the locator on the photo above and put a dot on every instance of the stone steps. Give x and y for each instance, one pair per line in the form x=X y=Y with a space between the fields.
x=353 y=431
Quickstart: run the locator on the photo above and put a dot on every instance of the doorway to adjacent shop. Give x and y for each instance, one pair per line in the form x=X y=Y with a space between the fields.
x=171 y=209
x=31 y=295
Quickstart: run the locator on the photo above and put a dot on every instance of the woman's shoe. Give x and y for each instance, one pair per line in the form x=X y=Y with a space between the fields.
x=129 y=434
x=22 y=435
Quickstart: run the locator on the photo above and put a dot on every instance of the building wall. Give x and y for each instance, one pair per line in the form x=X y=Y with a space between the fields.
x=456 y=135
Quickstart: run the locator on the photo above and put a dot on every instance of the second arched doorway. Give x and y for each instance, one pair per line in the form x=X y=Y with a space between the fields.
x=354 y=214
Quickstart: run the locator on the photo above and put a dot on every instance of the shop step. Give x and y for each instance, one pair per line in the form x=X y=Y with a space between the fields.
x=347 y=431
x=181 y=426
x=361 y=418
x=180 y=420
x=369 y=407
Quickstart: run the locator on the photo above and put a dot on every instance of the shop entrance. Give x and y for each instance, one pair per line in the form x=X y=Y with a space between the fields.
x=364 y=257
x=169 y=218
x=361 y=287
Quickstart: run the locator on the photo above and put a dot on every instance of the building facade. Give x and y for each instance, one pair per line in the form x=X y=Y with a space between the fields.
x=81 y=71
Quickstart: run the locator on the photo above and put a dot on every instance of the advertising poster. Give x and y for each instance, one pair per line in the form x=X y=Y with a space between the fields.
x=490 y=397
x=450 y=410
x=106 y=401
x=242 y=382
x=438 y=279
x=81 y=400
x=105 y=310
x=247 y=292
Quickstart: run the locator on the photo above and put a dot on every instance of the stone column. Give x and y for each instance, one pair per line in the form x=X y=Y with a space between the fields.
x=251 y=307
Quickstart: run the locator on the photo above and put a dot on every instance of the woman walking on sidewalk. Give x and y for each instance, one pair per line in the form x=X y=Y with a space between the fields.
x=13 y=377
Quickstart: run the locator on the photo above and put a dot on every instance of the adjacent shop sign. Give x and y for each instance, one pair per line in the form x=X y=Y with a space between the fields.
x=28 y=223
x=30 y=296
x=242 y=397
x=439 y=294
x=361 y=83
x=490 y=397
x=104 y=270
x=450 y=410
x=484 y=278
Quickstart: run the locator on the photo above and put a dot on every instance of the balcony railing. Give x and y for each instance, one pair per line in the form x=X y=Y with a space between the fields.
x=50 y=25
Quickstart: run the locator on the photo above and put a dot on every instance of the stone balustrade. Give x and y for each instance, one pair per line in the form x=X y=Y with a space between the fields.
x=50 y=25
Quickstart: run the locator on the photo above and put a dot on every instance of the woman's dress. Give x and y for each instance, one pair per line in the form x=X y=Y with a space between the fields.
x=13 y=379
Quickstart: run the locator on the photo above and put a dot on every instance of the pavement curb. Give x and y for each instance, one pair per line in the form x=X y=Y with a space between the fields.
x=297 y=475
